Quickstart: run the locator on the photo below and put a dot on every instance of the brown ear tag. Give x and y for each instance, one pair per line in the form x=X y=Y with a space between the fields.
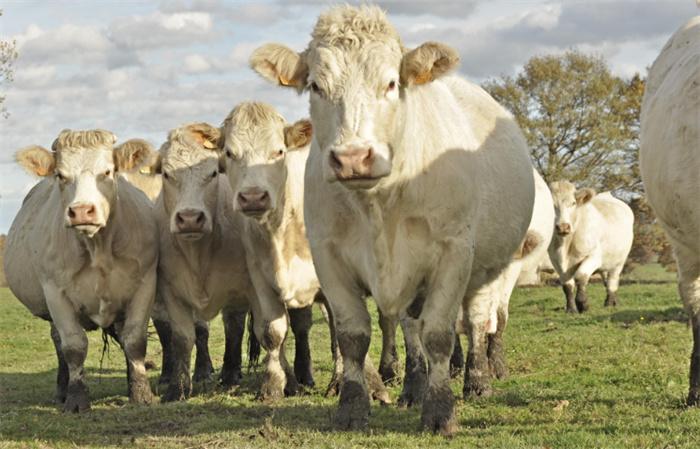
x=145 y=170
x=286 y=82
x=422 y=78
x=208 y=144
x=40 y=171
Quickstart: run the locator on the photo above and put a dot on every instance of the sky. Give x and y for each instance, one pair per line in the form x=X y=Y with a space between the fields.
x=141 y=68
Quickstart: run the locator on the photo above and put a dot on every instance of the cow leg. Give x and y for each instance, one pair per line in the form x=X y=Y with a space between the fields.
x=62 y=375
x=375 y=386
x=271 y=324
x=234 y=329
x=612 y=282
x=476 y=373
x=457 y=359
x=568 y=287
x=300 y=321
x=495 y=352
x=203 y=368
x=416 y=377
x=133 y=339
x=389 y=360
x=183 y=336
x=74 y=345
x=581 y=299
x=165 y=336
x=689 y=289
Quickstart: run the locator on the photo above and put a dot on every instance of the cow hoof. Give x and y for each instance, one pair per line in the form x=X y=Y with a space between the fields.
x=439 y=415
x=499 y=370
x=230 y=378
x=292 y=388
x=306 y=378
x=176 y=392
x=272 y=389
x=202 y=376
x=77 y=399
x=446 y=426
x=411 y=396
x=334 y=385
x=388 y=374
x=475 y=390
x=693 y=399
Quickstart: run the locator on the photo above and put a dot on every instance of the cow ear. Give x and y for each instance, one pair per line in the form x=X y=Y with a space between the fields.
x=583 y=196
x=36 y=160
x=204 y=135
x=298 y=135
x=133 y=153
x=280 y=65
x=427 y=62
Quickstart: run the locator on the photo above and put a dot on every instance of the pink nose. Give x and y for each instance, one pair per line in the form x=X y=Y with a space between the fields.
x=190 y=220
x=353 y=164
x=254 y=200
x=563 y=229
x=84 y=214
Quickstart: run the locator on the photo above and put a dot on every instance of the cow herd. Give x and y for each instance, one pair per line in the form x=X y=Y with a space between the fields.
x=407 y=184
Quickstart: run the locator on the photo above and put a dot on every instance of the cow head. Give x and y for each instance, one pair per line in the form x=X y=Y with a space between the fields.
x=190 y=164
x=256 y=142
x=566 y=202
x=83 y=165
x=357 y=72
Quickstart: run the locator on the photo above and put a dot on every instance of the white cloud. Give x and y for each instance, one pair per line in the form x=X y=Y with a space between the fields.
x=159 y=29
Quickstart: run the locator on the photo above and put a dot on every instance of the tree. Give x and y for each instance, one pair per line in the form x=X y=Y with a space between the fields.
x=580 y=120
x=649 y=239
x=8 y=55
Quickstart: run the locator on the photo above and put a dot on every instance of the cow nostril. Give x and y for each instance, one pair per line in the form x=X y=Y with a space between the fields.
x=335 y=162
x=200 y=218
x=71 y=213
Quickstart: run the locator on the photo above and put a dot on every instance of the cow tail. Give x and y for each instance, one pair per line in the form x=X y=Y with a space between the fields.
x=253 y=345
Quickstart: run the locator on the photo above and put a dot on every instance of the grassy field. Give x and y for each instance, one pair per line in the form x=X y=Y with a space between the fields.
x=610 y=378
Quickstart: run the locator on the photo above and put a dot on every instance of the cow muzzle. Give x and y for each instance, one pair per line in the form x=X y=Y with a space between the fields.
x=190 y=223
x=563 y=228
x=253 y=201
x=358 y=167
x=84 y=218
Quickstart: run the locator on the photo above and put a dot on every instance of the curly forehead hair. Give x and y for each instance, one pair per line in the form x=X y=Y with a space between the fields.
x=345 y=25
x=84 y=139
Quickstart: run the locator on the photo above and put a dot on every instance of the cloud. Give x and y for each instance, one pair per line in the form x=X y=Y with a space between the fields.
x=159 y=29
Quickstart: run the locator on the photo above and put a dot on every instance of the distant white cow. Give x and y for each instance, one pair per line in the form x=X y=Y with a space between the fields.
x=265 y=165
x=669 y=159
x=593 y=233
x=82 y=253
x=418 y=191
x=202 y=269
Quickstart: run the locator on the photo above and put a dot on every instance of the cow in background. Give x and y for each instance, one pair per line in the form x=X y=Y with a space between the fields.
x=418 y=191
x=143 y=175
x=82 y=253
x=669 y=162
x=593 y=233
x=265 y=160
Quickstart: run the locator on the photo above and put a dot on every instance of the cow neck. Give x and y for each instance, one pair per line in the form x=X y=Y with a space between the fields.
x=100 y=249
x=274 y=229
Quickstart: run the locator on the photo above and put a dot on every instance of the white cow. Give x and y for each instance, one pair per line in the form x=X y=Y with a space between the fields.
x=669 y=160
x=593 y=233
x=202 y=269
x=418 y=190
x=265 y=159
x=82 y=253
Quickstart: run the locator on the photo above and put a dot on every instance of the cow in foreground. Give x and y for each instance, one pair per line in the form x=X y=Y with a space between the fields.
x=418 y=191
x=669 y=161
x=202 y=269
x=593 y=233
x=265 y=160
x=82 y=254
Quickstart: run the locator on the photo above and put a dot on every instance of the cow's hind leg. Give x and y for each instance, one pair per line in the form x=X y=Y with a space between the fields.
x=388 y=363
x=165 y=336
x=477 y=373
x=689 y=288
x=568 y=287
x=234 y=329
x=62 y=375
x=300 y=321
x=612 y=282
x=416 y=378
x=495 y=352
x=457 y=359
x=203 y=368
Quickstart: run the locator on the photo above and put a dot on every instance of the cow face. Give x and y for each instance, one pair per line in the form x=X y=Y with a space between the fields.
x=357 y=72
x=83 y=165
x=256 y=142
x=190 y=164
x=567 y=200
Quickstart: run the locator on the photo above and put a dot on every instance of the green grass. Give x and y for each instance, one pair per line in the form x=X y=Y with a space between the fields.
x=623 y=371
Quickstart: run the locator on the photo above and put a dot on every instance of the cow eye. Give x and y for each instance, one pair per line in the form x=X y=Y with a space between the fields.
x=59 y=176
x=165 y=176
x=213 y=175
x=573 y=204
x=314 y=87
x=280 y=153
x=392 y=86
x=108 y=173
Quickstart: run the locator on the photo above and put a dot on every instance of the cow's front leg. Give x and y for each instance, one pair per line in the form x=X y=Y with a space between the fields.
x=203 y=368
x=583 y=273
x=183 y=336
x=62 y=375
x=568 y=286
x=271 y=324
x=477 y=374
x=300 y=321
x=74 y=345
